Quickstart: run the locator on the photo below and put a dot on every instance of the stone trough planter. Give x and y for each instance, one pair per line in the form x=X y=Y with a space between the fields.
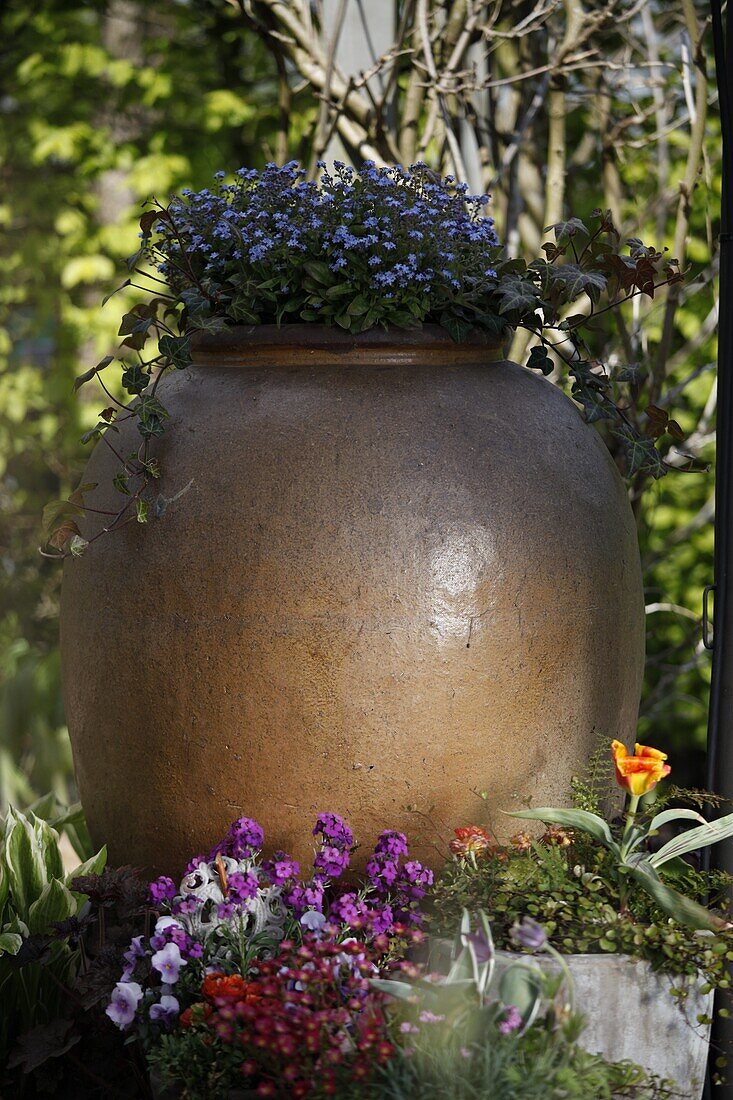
x=630 y=1012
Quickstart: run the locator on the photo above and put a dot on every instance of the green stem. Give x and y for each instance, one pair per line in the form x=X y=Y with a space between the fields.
x=569 y=983
x=630 y=819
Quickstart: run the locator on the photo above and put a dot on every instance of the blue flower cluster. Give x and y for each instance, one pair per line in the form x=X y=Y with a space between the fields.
x=355 y=249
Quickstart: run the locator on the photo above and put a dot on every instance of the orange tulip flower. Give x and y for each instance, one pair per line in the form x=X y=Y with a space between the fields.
x=641 y=772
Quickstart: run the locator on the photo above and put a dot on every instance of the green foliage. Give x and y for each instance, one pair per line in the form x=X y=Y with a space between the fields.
x=573 y=891
x=35 y=893
x=538 y=1065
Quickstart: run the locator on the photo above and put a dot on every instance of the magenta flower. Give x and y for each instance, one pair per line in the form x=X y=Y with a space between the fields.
x=123 y=1005
x=168 y=962
x=163 y=889
x=511 y=1021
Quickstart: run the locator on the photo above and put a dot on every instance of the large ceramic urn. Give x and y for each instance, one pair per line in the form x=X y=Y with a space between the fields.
x=389 y=576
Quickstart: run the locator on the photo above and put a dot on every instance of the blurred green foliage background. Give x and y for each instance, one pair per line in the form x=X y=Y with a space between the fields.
x=103 y=104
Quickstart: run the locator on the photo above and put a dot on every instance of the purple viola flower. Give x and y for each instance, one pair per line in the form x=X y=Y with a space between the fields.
x=168 y=962
x=165 y=1011
x=123 y=1004
x=134 y=952
x=529 y=933
x=163 y=889
x=313 y=920
x=165 y=931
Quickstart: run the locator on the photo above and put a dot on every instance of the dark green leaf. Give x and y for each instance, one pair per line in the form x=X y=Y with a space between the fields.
x=540 y=360
x=135 y=379
x=93 y=371
x=177 y=349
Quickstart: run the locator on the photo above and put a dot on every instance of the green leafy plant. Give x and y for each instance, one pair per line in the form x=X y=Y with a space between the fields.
x=487 y=1030
x=35 y=894
x=639 y=774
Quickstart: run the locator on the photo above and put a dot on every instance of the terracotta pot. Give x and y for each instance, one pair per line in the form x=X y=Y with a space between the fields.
x=387 y=573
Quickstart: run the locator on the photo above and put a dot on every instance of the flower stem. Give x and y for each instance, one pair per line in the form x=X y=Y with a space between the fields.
x=630 y=819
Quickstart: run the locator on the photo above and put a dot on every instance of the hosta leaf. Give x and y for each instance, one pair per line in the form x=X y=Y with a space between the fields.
x=10 y=943
x=55 y=903
x=573 y=819
x=93 y=866
x=48 y=838
x=24 y=862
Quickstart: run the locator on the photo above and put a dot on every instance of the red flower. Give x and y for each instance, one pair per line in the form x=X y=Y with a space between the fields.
x=471 y=838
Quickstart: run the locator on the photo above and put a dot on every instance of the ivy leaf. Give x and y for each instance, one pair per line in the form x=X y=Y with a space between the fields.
x=141 y=509
x=151 y=415
x=176 y=349
x=517 y=296
x=148 y=220
x=197 y=305
x=97 y=431
x=540 y=360
x=115 y=291
x=93 y=371
x=458 y=328
x=641 y=454
x=564 y=230
x=135 y=379
x=632 y=373
x=577 y=280
x=120 y=482
x=64 y=533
